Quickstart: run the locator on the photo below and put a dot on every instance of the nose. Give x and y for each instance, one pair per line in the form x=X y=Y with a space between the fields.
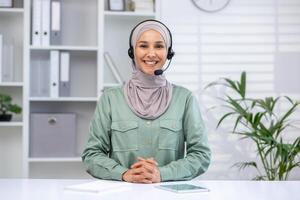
x=151 y=53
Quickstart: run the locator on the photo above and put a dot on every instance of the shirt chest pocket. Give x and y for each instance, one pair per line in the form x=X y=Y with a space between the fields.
x=124 y=136
x=170 y=131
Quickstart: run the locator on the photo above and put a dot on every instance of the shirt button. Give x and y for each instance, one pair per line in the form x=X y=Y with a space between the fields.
x=148 y=122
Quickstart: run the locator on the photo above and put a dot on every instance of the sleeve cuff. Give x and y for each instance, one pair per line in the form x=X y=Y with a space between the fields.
x=117 y=172
x=165 y=173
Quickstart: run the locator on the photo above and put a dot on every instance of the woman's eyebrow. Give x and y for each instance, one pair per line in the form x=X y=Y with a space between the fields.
x=148 y=41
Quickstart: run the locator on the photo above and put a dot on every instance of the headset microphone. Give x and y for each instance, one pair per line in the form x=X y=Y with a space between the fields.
x=160 y=71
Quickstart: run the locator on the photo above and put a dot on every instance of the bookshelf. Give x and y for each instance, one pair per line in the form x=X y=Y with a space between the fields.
x=78 y=33
x=88 y=29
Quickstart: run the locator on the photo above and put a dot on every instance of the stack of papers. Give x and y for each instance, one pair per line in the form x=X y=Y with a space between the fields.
x=100 y=187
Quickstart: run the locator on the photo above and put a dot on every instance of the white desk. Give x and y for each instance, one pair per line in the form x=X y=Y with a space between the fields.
x=51 y=189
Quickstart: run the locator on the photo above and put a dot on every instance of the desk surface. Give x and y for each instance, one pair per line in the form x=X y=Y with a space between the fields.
x=51 y=189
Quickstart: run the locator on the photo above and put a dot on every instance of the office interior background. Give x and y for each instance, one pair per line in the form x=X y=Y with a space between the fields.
x=261 y=37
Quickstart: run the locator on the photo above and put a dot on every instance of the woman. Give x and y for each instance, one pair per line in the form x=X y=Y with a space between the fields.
x=139 y=131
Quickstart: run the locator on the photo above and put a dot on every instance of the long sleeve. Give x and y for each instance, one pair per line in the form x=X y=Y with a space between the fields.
x=198 y=154
x=95 y=155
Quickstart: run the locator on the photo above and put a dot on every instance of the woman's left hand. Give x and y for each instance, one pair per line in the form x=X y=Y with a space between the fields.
x=149 y=165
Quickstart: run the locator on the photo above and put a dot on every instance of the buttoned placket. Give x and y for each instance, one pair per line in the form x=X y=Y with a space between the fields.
x=148 y=141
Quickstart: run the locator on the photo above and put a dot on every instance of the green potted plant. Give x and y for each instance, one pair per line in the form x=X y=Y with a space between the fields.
x=256 y=119
x=7 y=108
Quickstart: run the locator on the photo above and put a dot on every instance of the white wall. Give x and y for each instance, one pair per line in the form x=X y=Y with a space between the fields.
x=259 y=36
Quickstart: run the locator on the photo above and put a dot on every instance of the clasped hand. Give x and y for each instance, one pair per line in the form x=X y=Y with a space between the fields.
x=143 y=171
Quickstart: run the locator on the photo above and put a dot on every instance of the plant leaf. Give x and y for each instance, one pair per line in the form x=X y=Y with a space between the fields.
x=260 y=178
x=243 y=85
x=224 y=117
x=238 y=119
x=232 y=84
x=237 y=106
x=243 y=165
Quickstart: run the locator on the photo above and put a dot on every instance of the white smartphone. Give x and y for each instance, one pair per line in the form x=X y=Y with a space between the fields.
x=183 y=188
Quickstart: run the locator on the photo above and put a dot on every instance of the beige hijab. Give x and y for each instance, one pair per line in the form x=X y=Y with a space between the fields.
x=148 y=96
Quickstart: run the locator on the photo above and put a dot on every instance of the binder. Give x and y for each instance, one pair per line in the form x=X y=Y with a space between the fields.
x=7 y=62
x=55 y=32
x=54 y=74
x=45 y=22
x=64 y=85
x=35 y=78
x=36 y=23
x=1 y=61
x=44 y=80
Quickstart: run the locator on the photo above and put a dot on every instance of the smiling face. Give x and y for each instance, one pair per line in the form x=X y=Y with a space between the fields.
x=150 y=52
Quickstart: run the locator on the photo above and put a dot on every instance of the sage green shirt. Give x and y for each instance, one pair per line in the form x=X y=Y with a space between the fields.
x=118 y=137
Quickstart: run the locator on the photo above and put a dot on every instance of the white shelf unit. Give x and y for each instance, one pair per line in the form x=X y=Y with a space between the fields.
x=12 y=30
x=88 y=30
x=79 y=37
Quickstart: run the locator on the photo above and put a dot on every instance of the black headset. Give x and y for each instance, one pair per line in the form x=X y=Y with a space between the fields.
x=170 y=54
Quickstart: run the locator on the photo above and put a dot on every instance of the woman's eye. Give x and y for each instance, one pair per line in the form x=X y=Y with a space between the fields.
x=160 y=46
x=143 y=46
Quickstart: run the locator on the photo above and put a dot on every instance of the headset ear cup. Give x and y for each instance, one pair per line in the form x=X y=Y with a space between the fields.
x=170 y=55
x=130 y=53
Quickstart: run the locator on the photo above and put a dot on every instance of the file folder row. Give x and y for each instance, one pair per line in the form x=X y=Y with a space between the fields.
x=46 y=22
x=59 y=74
